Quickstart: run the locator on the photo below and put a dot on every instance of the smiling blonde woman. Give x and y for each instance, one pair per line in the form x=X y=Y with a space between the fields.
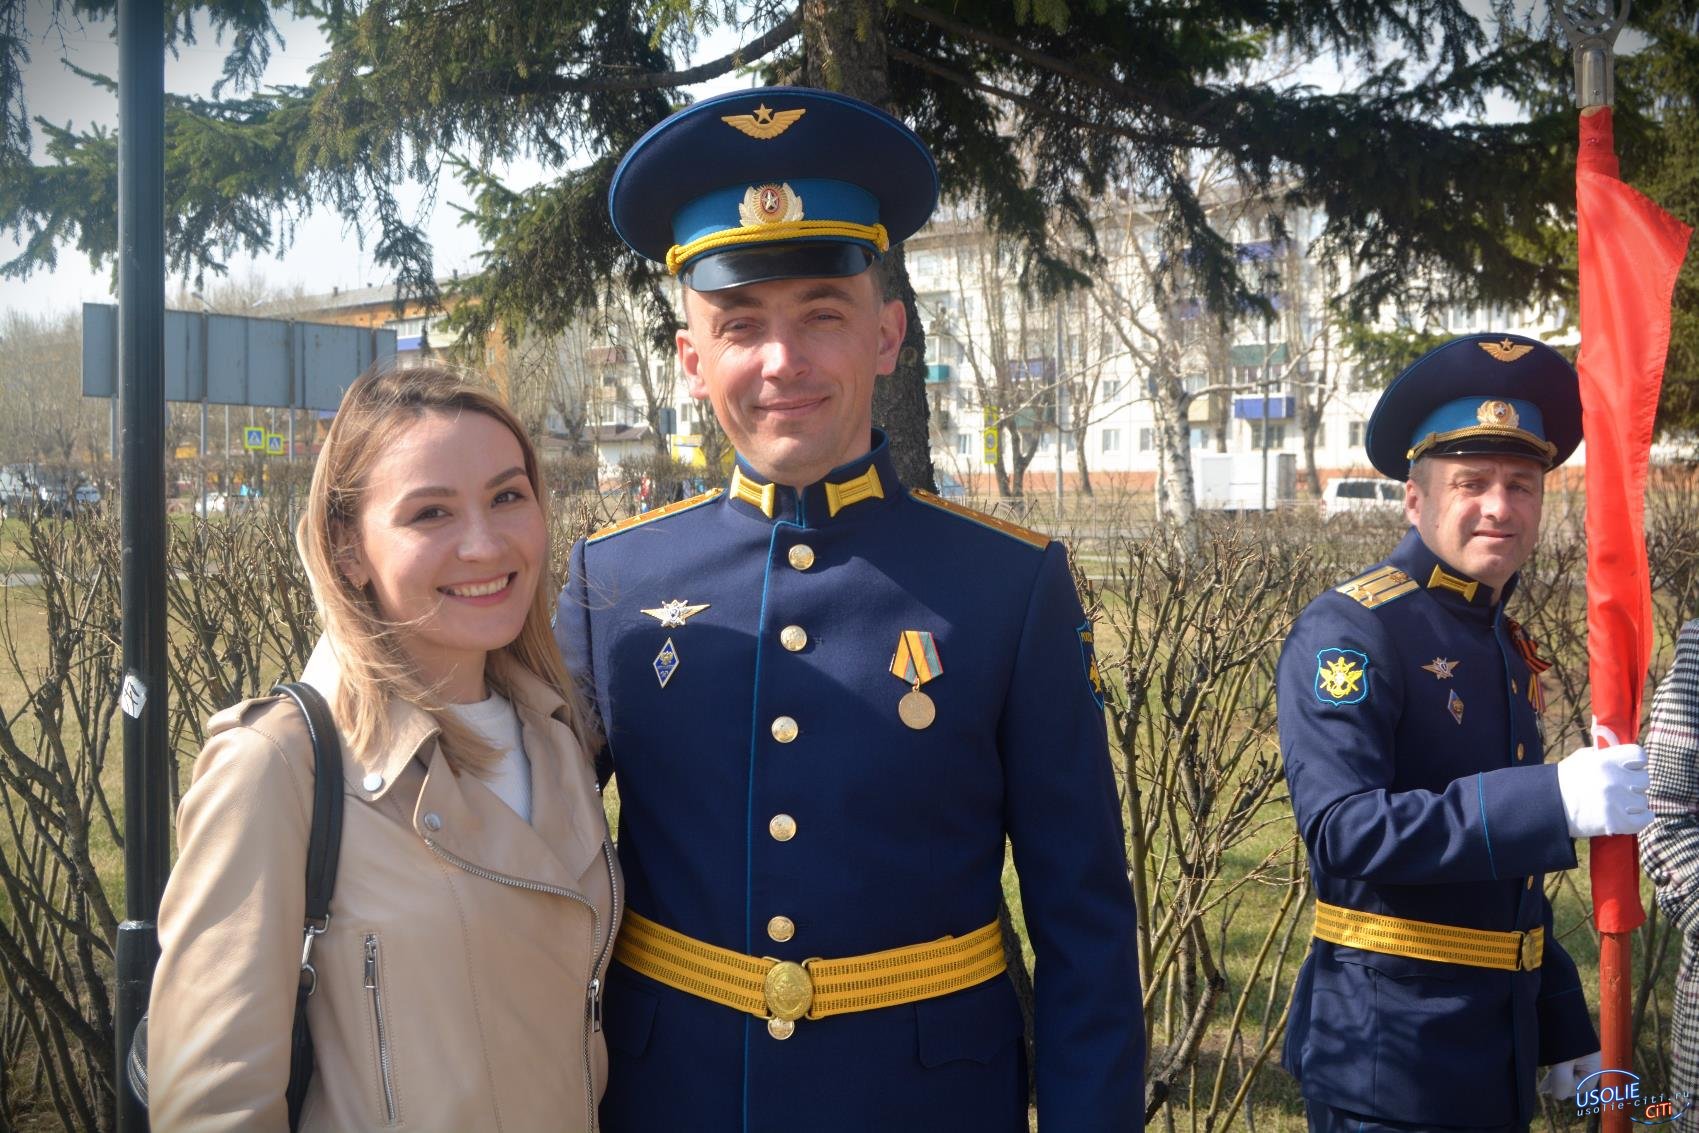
x=477 y=891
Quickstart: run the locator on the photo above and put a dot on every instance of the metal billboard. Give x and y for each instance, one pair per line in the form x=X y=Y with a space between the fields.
x=240 y=359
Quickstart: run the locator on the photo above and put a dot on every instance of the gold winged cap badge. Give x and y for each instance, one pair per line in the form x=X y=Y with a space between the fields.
x=1506 y=351
x=763 y=124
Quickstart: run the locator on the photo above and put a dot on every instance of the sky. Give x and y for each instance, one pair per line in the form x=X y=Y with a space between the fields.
x=59 y=95
x=55 y=93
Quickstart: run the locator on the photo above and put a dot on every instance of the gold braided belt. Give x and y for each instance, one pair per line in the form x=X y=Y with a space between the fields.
x=783 y=991
x=1423 y=940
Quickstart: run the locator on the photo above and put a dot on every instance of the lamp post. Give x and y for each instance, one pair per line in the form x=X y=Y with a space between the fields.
x=141 y=382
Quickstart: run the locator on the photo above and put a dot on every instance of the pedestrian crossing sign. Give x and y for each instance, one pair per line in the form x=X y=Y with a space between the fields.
x=274 y=444
x=253 y=438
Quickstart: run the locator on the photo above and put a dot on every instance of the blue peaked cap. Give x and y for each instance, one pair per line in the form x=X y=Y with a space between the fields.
x=1483 y=394
x=772 y=183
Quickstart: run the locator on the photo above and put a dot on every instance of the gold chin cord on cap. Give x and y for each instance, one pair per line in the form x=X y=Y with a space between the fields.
x=680 y=254
x=1434 y=440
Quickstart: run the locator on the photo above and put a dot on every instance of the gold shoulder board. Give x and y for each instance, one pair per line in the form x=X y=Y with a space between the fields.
x=1379 y=586
x=658 y=513
x=1013 y=530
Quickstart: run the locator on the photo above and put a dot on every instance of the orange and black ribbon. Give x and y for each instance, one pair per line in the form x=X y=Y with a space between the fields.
x=1526 y=646
x=1528 y=649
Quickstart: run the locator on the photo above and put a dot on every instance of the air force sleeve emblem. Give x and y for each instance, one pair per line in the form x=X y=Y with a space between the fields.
x=1088 y=657
x=1342 y=676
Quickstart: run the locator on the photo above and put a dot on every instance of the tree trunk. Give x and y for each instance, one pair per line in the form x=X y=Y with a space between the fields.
x=1310 y=421
x=1174 y=458
x=1019 y=457
x=899 y=398
x=1080 y=462
x=843 y=45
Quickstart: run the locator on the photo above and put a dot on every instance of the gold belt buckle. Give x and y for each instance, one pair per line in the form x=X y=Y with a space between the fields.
x=1532 y=949
x=789 y=991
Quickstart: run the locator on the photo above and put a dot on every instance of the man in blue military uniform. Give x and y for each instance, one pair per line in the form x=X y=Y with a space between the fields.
x=1409 y=726
x=829 y=699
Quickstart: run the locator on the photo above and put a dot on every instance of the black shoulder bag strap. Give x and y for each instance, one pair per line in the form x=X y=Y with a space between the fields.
x=324 y=845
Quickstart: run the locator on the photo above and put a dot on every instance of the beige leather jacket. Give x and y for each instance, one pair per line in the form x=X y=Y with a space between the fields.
x=459 y=981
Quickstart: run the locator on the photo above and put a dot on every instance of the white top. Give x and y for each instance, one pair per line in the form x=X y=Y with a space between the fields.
x=495 y=720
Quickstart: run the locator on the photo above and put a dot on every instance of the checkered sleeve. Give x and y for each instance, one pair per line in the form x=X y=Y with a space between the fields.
x=1669 y=847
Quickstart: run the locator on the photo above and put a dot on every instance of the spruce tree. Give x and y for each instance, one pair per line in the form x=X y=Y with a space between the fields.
x=1033 y=110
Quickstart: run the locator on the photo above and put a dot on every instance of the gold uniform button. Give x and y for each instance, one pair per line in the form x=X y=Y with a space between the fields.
x=793 y=638
x=1521 y=752
x=782 y=828
x=1513 y=687
x=784 y=729
x=801 y=556
x=781 y=929
x=1530 y=883
x=781 y=1029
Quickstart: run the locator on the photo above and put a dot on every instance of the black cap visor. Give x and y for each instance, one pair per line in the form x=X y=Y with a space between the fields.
x=812 y=259
x=1490 y=446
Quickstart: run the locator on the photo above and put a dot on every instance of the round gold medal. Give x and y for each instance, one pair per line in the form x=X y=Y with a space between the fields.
x=916 y=710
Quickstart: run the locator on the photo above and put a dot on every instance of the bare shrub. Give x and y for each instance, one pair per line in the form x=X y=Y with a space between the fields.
x=1189 y=632
x=238 y=616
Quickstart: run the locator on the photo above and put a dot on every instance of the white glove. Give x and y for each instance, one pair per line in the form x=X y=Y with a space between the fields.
x=1559 y=1081
x=1604 y=790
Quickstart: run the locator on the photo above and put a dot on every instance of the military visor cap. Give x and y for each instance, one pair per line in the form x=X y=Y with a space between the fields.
x=772 y=183
x=1482 y=395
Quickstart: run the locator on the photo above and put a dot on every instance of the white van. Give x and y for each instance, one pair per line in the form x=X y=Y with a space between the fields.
x=1361 y=495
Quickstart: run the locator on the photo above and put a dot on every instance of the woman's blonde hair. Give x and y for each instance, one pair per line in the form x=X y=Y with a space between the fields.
x=379 y=406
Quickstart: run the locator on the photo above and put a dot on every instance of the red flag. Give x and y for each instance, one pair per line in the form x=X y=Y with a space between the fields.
x=1631 y=251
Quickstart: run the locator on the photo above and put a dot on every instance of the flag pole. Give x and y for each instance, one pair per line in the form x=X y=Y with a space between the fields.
x=1629 y=254
x=1592 y=38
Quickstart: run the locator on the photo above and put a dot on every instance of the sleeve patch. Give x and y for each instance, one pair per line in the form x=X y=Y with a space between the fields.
x=1342 y=676
x=1088 y=656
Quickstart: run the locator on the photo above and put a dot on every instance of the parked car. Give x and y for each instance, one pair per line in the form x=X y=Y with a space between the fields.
x=949 y=487
x=86 y=497
x=213 y=503
x=53 y=499
x=17 y=492
x=1361 y=495
x=29 y=489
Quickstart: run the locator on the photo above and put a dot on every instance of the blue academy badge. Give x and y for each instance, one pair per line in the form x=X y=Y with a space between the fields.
x=1088 y=654
x=1342 y=676
x=666 y=663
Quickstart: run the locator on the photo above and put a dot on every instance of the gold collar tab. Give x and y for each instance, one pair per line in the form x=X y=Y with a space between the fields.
x=854 y=490
x=1440 y=580
x=756 y=495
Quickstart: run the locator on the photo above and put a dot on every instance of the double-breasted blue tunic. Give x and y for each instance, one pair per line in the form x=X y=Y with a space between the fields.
x=1410 y=732
x=773 y=803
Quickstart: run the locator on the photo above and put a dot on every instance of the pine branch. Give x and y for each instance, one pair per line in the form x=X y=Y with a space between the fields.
x=1142 y=137
x=1011 y=47
x=764 y=45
